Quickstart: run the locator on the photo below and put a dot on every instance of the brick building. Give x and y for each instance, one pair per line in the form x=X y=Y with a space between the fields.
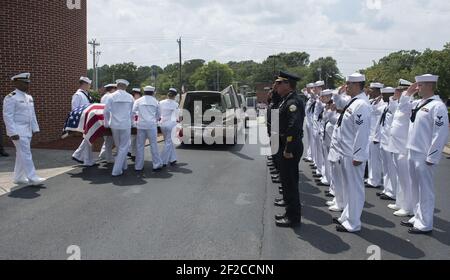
x=49 y=40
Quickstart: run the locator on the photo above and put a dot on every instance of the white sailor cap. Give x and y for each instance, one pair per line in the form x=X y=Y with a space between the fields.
x=110 y=86
x=174 y=90
x=388 y=90
x=427 y=78
x=404 y=83
x=23 y=77
x=149 y=89
x=85 y=80
x=326 y=92
x=319 y=84
x=136 y=90
x=123 y=82
x=310 y=85
x=356 y=78
x=376 y=85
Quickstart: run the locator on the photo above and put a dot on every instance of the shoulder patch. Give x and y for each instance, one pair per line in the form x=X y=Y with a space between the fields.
x=12 y=94
x=439 y=121
x=293 y=108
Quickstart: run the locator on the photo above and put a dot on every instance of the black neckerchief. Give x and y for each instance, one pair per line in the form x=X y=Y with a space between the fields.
x=383 y=117
x=341 y=117
x=418 y=108
x=88 y=96
x=312 y=108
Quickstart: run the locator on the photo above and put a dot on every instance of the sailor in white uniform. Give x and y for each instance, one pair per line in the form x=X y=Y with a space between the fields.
x=397 y=143
x=106 y=152
x=319 y=107
x=136 y=93
x=375 y=179
x=83 y=154
x=169 y=119
x=21 y=123
x=308 y=121
x=148 y=114
x=428 y=136
x=353 y=130
x=325 y=139
x=119 y=117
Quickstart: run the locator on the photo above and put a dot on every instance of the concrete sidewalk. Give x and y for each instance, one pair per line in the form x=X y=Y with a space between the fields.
x=48 y=163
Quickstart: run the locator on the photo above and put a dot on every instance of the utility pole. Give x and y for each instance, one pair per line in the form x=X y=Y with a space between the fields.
x=96 y=69
x=181 y=65
x=94 y=44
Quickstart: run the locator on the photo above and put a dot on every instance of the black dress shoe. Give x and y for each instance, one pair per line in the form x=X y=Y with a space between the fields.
x=341 y=228
x=385 y=197
x=173 y=163
x=276 y=181
x=371 y=187
x=336 y=221
x=278 y=200
x=280 y=204
x=329 y=195
x=269 y=158
x=379 y=194
x=416 y=231
x=280 y=217
x=77 y=160
x=287 y=223
x=317 y=176
x=3 y=154
x=275 y=172
x=320 y=184
x=407 y=224
x=275 y=177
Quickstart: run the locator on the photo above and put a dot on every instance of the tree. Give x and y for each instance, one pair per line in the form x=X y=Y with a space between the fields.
x=325 y=69
x=212 y=76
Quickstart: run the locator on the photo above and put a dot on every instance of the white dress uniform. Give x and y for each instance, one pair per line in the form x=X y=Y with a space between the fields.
x=84 y=152
x=148 y=111
x=169 y=118
x=310 y=126
x=353 y=131
x=335 y=158
x=383 y=134
x=374 y=163
x=316 y=136
x=119 y=117
x=428 y=136
x=398 y=142
x=106 y=152
x=20 y=119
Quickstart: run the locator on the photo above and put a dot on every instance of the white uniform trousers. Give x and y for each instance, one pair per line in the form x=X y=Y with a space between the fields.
x=152 y=136
x=84 y=153
x=404 y=195
x=309 y=150
x=24 y=168
x=326 y=167
x=122 y=141
x=312 y=144
x=354 y=194
x=133 y=145
x=422 y=186
x=106 y=152
x=375 y=166
x=319 y=155
x=169 y=131
x=390 y=186
x=337 y=184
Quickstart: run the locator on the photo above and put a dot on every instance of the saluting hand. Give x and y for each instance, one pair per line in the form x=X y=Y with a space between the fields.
x=412 y=90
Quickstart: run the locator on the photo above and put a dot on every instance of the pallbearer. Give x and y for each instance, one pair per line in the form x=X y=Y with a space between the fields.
x=169 y=119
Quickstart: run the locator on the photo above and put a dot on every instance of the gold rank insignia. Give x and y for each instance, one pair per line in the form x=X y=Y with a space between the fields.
x=293 y=108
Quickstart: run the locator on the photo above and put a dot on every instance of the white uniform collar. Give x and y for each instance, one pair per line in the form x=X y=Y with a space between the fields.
x=19 y=91
x=362 y=95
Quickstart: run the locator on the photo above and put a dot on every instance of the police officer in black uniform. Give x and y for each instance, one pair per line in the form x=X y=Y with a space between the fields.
x=275 y=163
x=292 y=115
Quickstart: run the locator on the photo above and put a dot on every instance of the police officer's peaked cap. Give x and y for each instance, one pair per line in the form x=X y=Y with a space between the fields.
x=284 y=76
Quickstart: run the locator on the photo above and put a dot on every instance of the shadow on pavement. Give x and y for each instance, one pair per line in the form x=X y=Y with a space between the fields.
x=441 y=231
x=322 y=239
x=30 y=192
x=376 y=220
x=391 y=243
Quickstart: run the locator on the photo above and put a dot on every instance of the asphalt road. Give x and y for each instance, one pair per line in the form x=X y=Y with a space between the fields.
x=217 y=204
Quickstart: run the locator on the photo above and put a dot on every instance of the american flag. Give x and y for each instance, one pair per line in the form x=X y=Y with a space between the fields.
x=89 y=120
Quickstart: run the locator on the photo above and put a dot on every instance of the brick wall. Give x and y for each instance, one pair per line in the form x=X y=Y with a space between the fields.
x=47 y=39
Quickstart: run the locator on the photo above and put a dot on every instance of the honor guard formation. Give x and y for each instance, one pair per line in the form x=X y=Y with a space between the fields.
x=358 y=136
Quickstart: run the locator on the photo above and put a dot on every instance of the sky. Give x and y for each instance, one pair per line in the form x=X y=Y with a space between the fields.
x=354 y=32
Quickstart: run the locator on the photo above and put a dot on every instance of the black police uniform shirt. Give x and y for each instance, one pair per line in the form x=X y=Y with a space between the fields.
x=292 y=115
